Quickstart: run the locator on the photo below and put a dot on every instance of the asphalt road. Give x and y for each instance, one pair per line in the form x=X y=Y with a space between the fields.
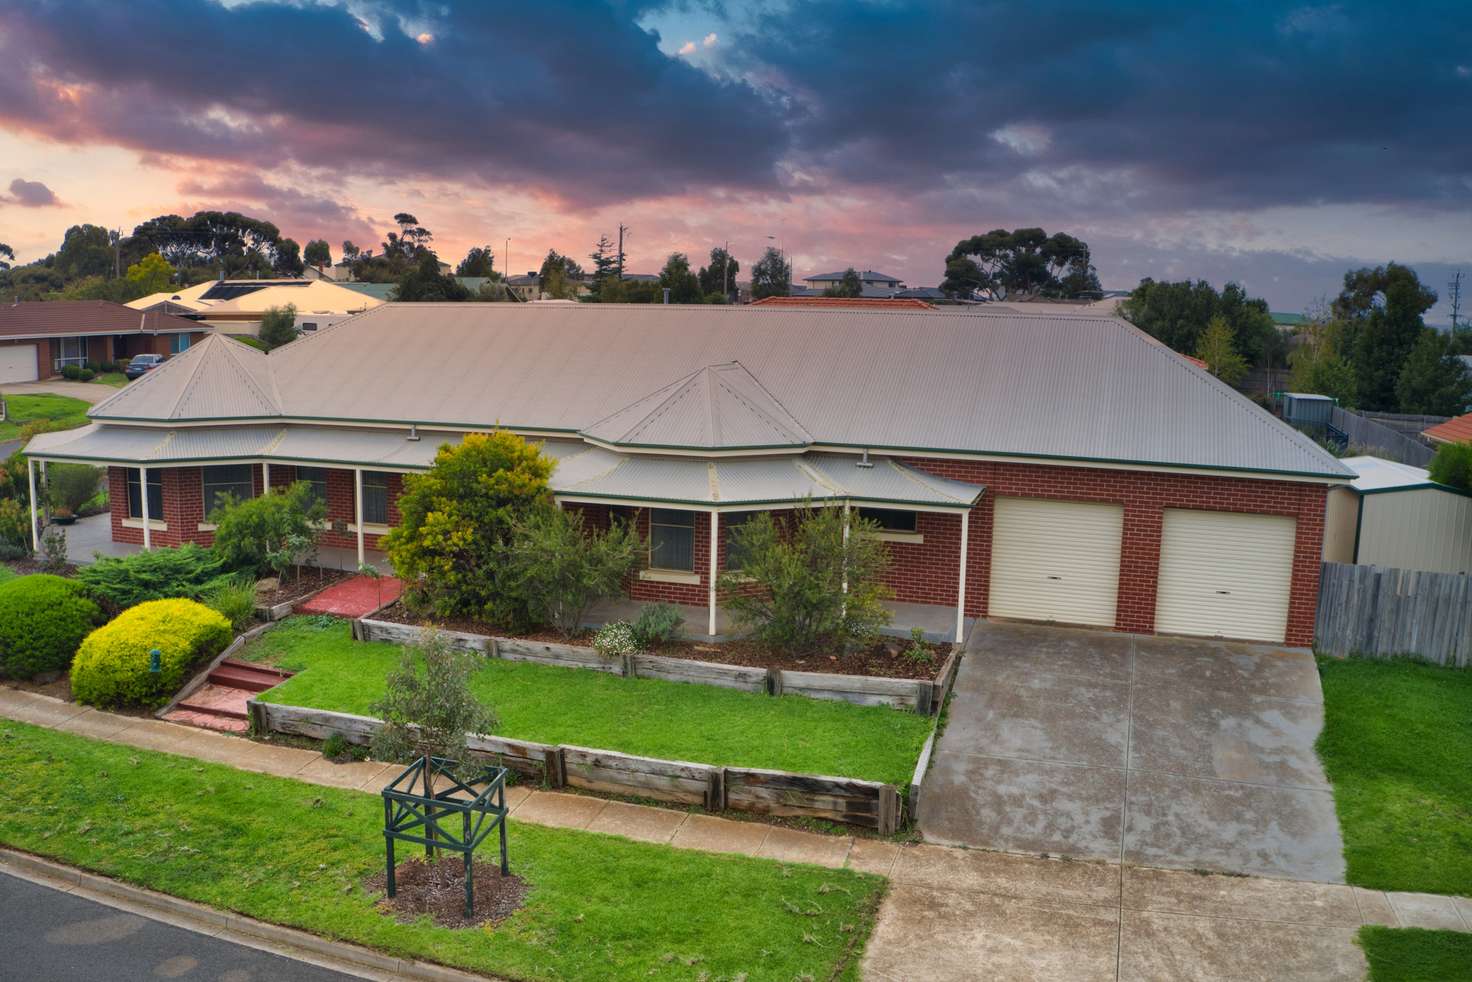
x=50 y=936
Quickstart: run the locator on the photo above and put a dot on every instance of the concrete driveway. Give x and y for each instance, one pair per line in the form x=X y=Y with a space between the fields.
x=88 y=392
x=1149 y=751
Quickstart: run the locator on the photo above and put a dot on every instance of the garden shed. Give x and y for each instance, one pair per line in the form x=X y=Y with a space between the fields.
x=1394 y=515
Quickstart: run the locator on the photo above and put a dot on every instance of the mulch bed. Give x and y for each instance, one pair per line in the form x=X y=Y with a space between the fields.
x=29 y=567
x=885 y=658
x=438 y=889
x=302 y=581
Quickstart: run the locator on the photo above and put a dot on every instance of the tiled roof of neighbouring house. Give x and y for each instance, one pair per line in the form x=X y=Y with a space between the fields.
x=1073 y=387
x=68 y=318
x=1455 y=430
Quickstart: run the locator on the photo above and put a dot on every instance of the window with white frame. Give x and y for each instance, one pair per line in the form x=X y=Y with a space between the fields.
x=316 y=477
x=179 y=343
x=155 y=495
x=375 y=498
x=890 y=519
x=226 y=481
x=672 y=539
x=70 y=351
x=732 y=521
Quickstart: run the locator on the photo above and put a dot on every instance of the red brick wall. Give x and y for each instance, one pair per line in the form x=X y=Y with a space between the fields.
x=340 y=505
x=1144 y=496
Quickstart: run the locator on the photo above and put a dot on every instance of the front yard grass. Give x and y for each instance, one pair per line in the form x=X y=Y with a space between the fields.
x=647 y=717
x=1397 y=745
x=115 y=379
x=297 y=854
x=1414 y=955
x=65 y=413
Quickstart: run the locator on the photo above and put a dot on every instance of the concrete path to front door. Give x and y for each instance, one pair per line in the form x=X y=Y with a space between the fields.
x=1151 y=751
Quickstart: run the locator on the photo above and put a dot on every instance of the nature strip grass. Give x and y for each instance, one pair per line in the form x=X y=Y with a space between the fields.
x=1397 y=745
x=64 y=411
x=1415 y=955
x=647 y=717
x=296 y=854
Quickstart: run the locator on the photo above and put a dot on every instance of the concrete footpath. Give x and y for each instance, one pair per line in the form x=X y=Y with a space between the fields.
x=949 y=913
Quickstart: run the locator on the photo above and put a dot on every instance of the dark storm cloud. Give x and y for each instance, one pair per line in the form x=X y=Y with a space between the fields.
x=569 y=97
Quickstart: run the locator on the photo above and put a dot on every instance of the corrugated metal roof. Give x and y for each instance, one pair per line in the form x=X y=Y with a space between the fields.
x=1378 y=474
x=1071 y=386
x=218 y=378
x=719 y=407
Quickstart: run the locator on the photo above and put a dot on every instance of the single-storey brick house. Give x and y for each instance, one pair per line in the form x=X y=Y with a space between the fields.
x=39 y=338
x=1054 y=467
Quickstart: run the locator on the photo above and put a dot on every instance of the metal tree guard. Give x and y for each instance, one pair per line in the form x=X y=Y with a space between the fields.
x=412 y=817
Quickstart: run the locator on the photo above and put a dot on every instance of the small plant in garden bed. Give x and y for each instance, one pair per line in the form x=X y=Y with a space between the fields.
x=616 y=639
x=337 y=749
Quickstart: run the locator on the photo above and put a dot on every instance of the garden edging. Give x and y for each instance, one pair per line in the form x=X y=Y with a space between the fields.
x=921 y=696
x=870 y=804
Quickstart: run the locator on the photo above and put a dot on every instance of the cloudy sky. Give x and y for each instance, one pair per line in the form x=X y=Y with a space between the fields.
x=1276 y=144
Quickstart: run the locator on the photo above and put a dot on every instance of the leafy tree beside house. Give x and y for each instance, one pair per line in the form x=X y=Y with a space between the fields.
x=1021 y=264
x=677 y=278
x=561 y=566
x=278 y=327
x=1219 y=352
x=849 y=286
x=1178 y=315
x=271 y=532
x=1381 y=310
x=424 y=282
x=318 y=253
x=771 y=276
x=560 y=276
x=719 y=278
x=457 y=520
x=1452 y=465
x=151 y=274
x=479 y=261
x=1433 y=381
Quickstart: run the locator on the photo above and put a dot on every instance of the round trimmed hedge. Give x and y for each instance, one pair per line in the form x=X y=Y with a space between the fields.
x=111 y=667
x=43 y=619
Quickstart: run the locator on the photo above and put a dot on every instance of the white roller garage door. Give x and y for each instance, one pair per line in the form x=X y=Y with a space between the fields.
x=1224 y=574
x=1055 y=560
x=18 y=363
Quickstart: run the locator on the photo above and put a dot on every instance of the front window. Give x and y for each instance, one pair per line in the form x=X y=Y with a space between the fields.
x=375 y=498
x=227 y=481
x=71 y=351
x=890 y=519
x=672 y=539
x=155 y=495
x=733 y=521
x=317 y=478
x=179 y=343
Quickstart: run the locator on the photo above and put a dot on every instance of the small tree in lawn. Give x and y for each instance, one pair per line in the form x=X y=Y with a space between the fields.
x=1219 y=351
x=428 y=709
x=806 y=586
x=561 y=567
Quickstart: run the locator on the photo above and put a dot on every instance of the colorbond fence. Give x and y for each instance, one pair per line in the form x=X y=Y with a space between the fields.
x=866 y=803
x=1379 y=612
x=1364 y=433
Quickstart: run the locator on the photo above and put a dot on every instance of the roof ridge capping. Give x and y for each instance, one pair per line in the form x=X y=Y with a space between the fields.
x=1233 y=398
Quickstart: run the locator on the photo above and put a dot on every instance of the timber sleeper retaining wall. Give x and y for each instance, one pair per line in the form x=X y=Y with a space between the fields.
x=919 y=695
x=870 y=804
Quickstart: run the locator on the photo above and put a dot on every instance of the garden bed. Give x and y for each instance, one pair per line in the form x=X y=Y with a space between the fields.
x=884 y=658
x=301 y=582
x=641 y=716
x=296 y=854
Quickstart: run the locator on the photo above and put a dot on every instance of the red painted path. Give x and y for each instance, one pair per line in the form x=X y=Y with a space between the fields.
x=354 y=597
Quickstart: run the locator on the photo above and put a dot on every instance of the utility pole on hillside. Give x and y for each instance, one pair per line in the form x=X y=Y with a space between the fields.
x=622 y=231
x=1454 y=296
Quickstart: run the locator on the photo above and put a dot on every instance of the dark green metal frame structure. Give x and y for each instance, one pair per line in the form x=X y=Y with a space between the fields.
x=409 y=816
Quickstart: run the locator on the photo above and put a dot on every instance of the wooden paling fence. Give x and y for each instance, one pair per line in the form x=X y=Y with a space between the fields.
x=867 y=803
x=1379 y=612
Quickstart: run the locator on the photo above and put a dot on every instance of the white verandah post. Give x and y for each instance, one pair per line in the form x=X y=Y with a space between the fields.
x=265 y=477
x=143 y=498
x=31 y=476
x=358 y=509
x=961 y=579
x=715 y=527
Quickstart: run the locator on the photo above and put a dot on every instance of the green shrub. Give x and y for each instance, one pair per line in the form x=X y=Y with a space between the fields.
x=42 y=621
x=73 y=372
x=86 y=375
x=656 y=624
x=120 y=582
x=71 y=486
x=556 y=568
x=275 y=531
x=235 y=600
x=15 y=529
x=616 y=638
x=1452 y=465
x=112 y=665
x=799 y=602
x=456 y=525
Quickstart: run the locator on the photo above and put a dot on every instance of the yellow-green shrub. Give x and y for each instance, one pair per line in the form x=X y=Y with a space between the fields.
x=111 y=667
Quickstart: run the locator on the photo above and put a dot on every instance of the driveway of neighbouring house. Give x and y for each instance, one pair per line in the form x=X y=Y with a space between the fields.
x=1151 y=751
x=88 y=392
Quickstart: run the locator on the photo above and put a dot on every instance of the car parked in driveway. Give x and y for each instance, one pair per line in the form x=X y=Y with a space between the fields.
x=142 y=364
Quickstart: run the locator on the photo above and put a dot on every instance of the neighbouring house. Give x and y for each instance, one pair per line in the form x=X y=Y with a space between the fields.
x=237 y=306
x=882 y=283
x=860 y=303
x=1032 y=466
x=1458 y=429
x=1393 y=514
x=39 y=338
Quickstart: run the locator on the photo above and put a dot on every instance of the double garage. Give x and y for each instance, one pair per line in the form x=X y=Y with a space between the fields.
x=1220 y=573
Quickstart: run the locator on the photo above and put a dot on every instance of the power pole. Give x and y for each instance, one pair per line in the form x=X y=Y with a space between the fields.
x=1454 y=292
x=622 y=230
x=725 y=265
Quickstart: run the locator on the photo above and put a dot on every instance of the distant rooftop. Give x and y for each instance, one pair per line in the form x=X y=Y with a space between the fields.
x=865 y=275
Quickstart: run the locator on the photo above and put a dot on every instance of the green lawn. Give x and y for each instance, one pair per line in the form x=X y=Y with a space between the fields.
x=648 y=717
x=66 y=412
x=115 y=379
x=1414 y=955
x=297 y=854
x=6 y=573
x=1397 y=745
